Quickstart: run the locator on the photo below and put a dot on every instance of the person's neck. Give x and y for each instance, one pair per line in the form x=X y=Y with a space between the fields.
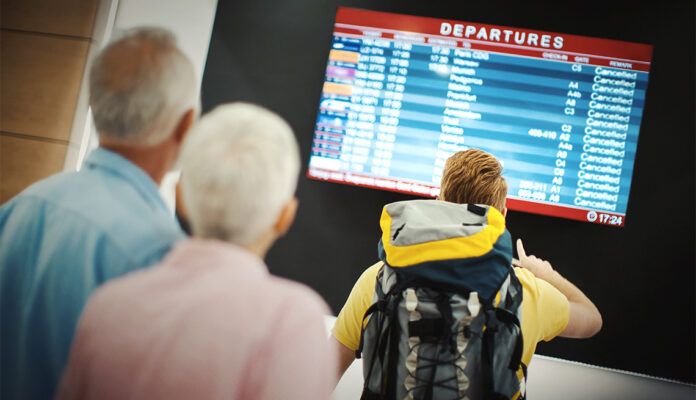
x=261 y=246
x=152 y=160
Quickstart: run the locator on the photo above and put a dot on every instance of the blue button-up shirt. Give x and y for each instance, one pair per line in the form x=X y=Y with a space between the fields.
x=59 y=240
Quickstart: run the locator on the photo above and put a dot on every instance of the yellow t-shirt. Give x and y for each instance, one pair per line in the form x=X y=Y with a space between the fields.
x=545 y=310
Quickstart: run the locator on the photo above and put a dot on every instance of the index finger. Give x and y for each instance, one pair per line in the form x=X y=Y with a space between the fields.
x=520 y=250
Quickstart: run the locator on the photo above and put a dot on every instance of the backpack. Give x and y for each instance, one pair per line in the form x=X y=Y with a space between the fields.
x=445 y=318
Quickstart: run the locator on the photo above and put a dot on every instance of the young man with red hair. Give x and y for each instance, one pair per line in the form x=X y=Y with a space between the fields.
x=551 y=305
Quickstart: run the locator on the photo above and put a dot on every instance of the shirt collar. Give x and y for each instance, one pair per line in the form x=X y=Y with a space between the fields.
x=213 y=253
x=101 y=158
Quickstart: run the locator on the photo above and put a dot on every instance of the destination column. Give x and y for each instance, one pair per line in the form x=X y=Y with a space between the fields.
x=461 y=65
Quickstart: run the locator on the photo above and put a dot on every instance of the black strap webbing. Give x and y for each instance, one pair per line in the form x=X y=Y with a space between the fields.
x=511 y=320
x=427 y=329
x=369 y=395
x=487 y=362
x=523 y=396
x=524 y=370
x=378 y=305
x=393 y=358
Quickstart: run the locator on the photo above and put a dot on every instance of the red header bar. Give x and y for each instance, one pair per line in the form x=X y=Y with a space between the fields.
x=578 y=214
x=501 y=39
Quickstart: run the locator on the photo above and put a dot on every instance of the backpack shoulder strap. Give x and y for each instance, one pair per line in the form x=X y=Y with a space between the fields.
x=377 y=305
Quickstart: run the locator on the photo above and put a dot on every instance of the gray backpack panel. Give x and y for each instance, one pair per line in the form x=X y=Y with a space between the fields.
x=422 y=343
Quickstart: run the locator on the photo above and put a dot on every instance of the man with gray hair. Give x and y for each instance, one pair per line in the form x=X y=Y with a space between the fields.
x=66 y=235
x=210 y=322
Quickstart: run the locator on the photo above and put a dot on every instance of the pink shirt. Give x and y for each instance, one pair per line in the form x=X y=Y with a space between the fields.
x=209 y=322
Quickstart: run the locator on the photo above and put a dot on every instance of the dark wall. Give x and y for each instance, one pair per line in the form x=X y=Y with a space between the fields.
x=641 y=276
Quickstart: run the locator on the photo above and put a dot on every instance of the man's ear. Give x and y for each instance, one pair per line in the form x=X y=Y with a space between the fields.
x=184 y=125
x=286 y=217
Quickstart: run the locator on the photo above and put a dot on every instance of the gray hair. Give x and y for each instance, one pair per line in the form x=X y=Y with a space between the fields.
x=140 y=86
x=240 y=165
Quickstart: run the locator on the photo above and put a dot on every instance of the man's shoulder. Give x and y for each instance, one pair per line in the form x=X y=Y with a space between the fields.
x=538 y=294
x=70 y=205
x=372 y=271
x=52 y=185
x=76 y=192
x=48 y=190
x=533 y=286
x=532 y=290
x=92 y=194
x=526 y=277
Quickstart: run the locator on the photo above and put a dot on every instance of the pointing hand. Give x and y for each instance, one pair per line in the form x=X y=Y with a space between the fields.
x=540 y=268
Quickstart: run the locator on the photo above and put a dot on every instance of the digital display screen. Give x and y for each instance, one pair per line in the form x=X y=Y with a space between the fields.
x=561 y=112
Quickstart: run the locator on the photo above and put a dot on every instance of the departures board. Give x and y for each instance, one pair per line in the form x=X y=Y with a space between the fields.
x=561 y=112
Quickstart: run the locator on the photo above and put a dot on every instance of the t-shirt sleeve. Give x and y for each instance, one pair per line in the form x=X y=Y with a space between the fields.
x=349 y=321
x=555 y=308
x=551 y=307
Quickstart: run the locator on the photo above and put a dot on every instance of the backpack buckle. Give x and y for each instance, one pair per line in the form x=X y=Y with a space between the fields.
x=411 y=300
x=473 y=304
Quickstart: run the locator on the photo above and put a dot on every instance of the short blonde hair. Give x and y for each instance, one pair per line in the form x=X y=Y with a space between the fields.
x=473 y=177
